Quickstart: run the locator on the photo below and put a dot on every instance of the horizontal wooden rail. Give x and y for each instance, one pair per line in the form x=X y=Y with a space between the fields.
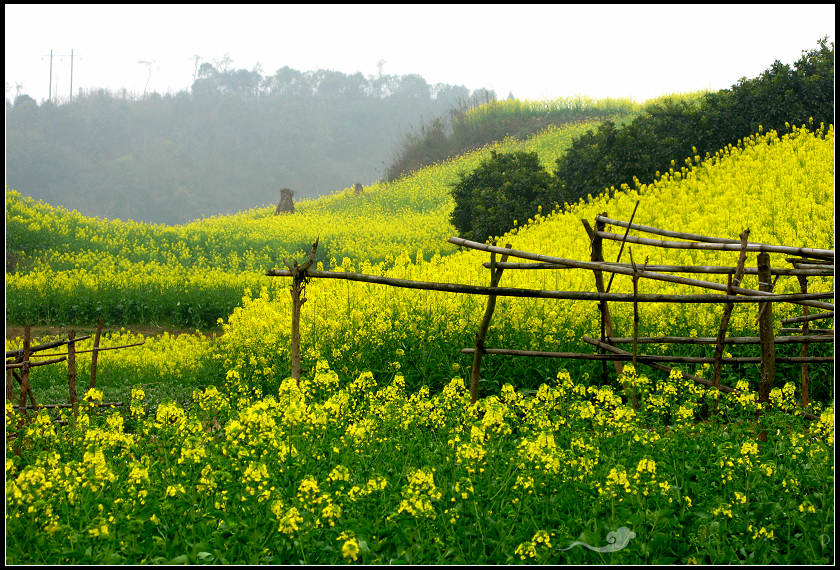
x=814 y=317
x=812 y=331
x=706 y=269
x=52 y=406
x=568 y=295
x=668 y=370
x=713 y=340
x=10 y=365
x=626 y=271
x=803 y=251
x=97 y=349
x=646 y=357
x=811 y=252
x=46 y=346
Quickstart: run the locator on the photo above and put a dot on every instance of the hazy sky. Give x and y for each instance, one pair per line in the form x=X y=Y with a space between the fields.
x=534 y=51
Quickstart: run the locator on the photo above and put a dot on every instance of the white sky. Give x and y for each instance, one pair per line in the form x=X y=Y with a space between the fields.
x=535 y=51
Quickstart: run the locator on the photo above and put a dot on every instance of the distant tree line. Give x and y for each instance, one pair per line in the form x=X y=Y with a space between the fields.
x=228 y=144
x=661 y=138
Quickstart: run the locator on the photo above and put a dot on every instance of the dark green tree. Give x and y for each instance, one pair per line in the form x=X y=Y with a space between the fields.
x=504 y=191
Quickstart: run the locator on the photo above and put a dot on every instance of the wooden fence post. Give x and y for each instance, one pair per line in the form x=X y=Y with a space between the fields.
x=765 y=330
x=25 y=390
x=481 y=335
x=598 y=256
x=727 y=311
x=71 y=371
x=299 y=281
x=806 y=330
x=94 y=357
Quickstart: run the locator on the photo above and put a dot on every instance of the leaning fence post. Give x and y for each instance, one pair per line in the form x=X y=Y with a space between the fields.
x=727 y=311
x=481 y=335
x=299 y=281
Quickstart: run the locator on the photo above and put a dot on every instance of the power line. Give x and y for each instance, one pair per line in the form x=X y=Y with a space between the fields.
x=71 y=56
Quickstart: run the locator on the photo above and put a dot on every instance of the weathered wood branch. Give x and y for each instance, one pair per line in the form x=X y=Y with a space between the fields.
x=705 y=269
x=54 y=344
x=481 y=335
x=644 y=357
x=818 y=253
x=826 y=254
x=10 y=365
x=625 y=271
x=808 y=318
x=727 y=310
x=540 y=294
x=95 y=350
x=713 y=340
x=52 y=406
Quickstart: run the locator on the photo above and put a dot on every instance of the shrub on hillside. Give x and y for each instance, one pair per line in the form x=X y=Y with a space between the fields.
x=670 y=132
x=505 y=189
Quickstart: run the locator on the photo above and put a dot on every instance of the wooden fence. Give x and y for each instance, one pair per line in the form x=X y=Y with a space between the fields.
x=19 y=362
x=811 y=262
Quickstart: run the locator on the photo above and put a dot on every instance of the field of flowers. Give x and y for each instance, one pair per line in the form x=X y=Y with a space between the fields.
x=378 y=456
x=75 y=269
x=331 y=471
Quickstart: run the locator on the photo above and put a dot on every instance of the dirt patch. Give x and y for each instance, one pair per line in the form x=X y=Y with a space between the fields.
x=14 y=331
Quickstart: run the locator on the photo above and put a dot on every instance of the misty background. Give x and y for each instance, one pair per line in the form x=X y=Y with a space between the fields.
x=229 y=143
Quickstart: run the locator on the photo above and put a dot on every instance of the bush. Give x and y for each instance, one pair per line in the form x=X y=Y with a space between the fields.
x=671 y=132
x=504 y=190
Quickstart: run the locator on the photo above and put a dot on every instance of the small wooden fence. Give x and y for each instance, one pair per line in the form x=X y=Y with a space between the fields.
x=810 y=262
x=19 y=362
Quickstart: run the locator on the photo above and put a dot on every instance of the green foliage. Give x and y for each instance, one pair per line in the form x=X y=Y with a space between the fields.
x=671 y=130
x=481 y=120
x=506 y=189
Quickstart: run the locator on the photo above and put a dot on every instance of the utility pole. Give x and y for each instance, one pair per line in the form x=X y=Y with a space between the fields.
x=71 y=56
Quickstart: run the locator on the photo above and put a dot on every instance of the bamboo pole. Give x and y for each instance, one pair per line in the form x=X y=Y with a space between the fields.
x=299 y=281
x=539 y=294
x=95 y=356
x=481 y=335
x=727 y=310
x=623 y=271
x=824 y=271
x=814 y=331
x=644 y=357
x=803 y=251
x=808 y=252
x=803 y=288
